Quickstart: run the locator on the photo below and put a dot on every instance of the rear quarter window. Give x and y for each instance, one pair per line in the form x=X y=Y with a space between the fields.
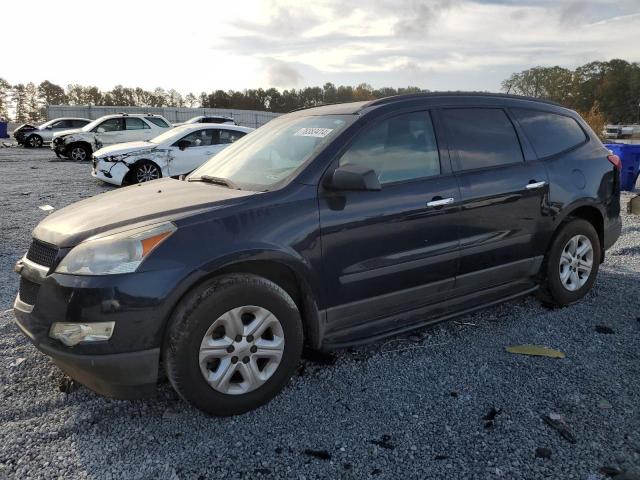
x=158 y=122
x=549 y=133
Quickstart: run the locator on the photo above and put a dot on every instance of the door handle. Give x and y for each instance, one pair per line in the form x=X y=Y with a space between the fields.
x=534 y=185
x=440 y=202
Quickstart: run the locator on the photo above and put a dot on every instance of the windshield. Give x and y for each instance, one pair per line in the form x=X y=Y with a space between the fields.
x=46 y=124
x=273 y=152
x=169 y=135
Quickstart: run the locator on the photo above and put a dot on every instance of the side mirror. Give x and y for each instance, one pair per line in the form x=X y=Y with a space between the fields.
x=183 y=144
x=101 y=130
x=353 y=177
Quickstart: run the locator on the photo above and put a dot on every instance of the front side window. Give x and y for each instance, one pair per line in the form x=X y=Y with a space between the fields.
x=275 y=151
x=78 y=123
x=549 y=133
x=482 y=137
x=135 y=124
x=111 y=125
x=398 y=148
x=62 y=124
x=200 y=138
x=158 y=122
x=230 y=136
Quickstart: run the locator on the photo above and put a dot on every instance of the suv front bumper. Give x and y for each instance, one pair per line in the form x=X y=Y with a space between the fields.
x=129 y=375
x=126 y=365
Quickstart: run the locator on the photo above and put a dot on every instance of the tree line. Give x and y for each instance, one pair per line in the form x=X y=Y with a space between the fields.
x=29 y=101
x=600 y=91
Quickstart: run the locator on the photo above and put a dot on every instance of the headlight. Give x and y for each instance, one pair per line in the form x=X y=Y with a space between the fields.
x=114 y=158
x=118 y=253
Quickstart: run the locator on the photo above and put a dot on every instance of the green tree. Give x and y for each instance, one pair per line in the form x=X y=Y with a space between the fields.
x=5 y=97
x=19 y=98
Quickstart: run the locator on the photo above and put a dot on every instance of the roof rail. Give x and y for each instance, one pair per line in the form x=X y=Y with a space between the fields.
x=409 y=96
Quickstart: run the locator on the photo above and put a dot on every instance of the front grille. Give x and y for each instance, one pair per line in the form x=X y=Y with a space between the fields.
x=42 y=253
x=28 y=291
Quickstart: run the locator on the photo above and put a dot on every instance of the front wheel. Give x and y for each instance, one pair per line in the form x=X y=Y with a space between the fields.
x=146 y=171
x=233 y=344
x=571 y=264
x=79 y=153
x=34 y=141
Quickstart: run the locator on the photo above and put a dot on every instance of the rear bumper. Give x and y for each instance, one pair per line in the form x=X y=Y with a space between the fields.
x=612 y=233
x=128 y=375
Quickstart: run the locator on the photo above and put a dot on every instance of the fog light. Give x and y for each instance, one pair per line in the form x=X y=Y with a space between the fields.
x=74 y=333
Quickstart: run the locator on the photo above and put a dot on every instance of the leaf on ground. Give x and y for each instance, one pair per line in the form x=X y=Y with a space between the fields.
x=536 y=350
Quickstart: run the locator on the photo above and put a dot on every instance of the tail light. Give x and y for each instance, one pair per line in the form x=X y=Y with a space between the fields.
x=615 y=160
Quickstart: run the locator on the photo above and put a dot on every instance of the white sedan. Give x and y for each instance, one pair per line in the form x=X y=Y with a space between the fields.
x=176 y=152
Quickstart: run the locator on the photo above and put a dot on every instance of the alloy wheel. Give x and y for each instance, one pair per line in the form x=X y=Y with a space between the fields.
x=147 y=172
x=576 y=262
x=78 y=154
x=241 y=350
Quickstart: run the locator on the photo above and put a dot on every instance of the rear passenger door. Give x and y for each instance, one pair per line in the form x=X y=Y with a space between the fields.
x=504 y=216
x=137 y=129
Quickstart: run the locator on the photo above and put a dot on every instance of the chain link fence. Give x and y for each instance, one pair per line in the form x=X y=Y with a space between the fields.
x=246 y=118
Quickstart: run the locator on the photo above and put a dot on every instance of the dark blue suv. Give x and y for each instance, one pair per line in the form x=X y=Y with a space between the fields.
x=327 y=227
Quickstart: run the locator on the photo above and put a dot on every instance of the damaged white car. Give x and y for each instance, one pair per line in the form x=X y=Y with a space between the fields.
x=176 y=152
x=80 y=143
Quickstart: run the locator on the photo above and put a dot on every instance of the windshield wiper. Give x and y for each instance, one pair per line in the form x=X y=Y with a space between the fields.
x=216 y=181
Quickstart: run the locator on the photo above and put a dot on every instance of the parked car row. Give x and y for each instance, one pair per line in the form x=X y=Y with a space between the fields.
x=325 y=228
x=36 y=136
x=174 y=152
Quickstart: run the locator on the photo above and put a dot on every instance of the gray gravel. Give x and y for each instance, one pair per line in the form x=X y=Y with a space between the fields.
x=416 y=406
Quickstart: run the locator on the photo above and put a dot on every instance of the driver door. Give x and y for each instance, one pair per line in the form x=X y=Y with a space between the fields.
x=110 y=131
x=192 y=150
x=393 y=250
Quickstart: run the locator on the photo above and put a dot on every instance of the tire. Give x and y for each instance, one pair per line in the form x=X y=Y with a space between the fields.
x=228 y=390
x=145 y=171
x=34 y=141
x=79 y=152
x=565 y=276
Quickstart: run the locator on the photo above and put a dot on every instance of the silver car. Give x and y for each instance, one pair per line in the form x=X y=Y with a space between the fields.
x=35 y=137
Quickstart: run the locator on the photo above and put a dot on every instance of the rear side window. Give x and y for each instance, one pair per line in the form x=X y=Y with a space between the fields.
x=398 y=148
x=79 y=123
x=482 y=137
x=230 y=136
x=158 y=121
x=549 y=133
x=135 y=124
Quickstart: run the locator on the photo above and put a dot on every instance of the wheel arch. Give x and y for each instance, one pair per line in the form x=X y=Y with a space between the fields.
x=79 y=142
x=281 y=271
x=126 y=180
x=590 y=212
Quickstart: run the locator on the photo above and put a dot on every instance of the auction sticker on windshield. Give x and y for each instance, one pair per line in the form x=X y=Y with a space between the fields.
x=313 y=132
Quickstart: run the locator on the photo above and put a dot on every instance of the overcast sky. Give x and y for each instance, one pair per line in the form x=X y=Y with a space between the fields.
x=194 y=45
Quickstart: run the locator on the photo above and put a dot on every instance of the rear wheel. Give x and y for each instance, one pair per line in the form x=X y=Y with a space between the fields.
x=233 y=344
x=571 y=264
x=79 y=152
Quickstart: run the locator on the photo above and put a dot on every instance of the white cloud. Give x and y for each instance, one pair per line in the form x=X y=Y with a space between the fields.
x=195 y=45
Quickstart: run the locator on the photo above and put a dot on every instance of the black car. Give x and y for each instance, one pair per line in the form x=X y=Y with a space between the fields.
x=327 y=227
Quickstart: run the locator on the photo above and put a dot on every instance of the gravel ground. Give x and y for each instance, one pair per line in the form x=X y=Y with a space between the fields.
x=444 y=402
